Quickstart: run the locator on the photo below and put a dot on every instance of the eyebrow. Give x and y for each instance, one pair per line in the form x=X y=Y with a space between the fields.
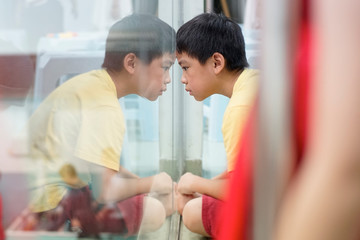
x=168 y=62
x=181 y=62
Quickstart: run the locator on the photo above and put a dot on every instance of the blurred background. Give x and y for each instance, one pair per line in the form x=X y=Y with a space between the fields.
x=43 y=43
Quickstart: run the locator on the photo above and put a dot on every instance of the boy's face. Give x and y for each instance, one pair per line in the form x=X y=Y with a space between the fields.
x=197 y=77
x=155 y=76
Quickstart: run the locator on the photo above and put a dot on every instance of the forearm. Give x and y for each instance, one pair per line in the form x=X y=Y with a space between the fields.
x=123 y=172
x=222 y=175
x=120 y=188
x=111 y=186
x=115 y=187
x=212 y=187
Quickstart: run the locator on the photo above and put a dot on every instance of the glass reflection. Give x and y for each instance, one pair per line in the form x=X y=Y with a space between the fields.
x=81 y=123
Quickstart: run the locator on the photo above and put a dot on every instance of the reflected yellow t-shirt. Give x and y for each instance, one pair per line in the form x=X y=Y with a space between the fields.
x=237 y=112
x=80 y=120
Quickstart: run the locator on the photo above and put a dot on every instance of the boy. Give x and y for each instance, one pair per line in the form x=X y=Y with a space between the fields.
x=211 y=51
x=76 y=135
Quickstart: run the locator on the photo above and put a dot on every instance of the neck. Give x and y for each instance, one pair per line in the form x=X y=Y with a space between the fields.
x=123 y=83
x=228 y=80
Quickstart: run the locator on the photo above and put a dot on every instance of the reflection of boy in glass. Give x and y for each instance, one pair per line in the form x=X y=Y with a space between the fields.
x=81 y=123
x=211 y=51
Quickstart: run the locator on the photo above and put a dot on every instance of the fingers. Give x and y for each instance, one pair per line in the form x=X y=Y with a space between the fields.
x=185 y=184
x=162 y=183
x=182 y=200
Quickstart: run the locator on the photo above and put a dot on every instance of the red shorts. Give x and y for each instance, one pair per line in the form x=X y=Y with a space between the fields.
x=121 y=218
x=76 y=204
x=209 y=214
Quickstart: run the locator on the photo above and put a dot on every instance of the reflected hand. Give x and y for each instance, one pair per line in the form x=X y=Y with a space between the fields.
x=162 y=183
x=168 y=200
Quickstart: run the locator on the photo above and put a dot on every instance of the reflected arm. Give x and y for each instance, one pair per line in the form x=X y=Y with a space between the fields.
x=112 y=186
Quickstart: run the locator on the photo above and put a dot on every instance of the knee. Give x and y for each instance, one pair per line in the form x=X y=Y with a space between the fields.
x=192 y=214
x=168 y=203
x=154 y=214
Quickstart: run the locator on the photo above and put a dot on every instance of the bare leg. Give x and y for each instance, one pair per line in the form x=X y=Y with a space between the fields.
x=153 y=215
x=168 y=201
x=192 y=216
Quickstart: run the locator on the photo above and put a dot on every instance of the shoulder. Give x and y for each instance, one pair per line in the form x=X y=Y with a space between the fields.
x=250 y=74
x=247 y=81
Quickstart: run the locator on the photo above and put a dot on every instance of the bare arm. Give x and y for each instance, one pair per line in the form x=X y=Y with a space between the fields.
x=324 y=202
x=112 y=186
x=123 y=172
x=190 y=184
x=222 y=175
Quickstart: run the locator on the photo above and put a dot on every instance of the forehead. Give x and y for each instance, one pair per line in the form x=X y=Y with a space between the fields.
x=184 y=58
x=168 y=57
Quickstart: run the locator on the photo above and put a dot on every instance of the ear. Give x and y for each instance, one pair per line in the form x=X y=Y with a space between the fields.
x=130 y=62
x=218 y=62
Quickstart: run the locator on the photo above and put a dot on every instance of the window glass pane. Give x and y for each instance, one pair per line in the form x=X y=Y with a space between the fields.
x=80 y=118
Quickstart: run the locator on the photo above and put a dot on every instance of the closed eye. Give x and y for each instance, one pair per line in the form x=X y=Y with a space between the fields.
x=185 y=68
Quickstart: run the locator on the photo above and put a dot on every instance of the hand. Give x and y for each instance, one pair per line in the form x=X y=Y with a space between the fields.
x=162 y=183
x=181 y=200
x=186 y=183
x=167 y=199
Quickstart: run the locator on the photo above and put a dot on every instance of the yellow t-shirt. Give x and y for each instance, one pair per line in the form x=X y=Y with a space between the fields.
x=236 y=113
x=79 y=121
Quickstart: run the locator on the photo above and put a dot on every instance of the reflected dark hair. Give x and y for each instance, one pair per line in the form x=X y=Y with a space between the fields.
x=146 y=36
x=208 y=33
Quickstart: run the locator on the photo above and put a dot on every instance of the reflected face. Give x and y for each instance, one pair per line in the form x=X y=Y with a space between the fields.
x=155 y=76
x=196 y=76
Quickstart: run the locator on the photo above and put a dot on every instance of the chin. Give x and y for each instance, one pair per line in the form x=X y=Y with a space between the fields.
x=199 y=99
x=152 y=98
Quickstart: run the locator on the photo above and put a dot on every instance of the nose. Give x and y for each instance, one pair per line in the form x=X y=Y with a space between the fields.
x=167 y=78
x=183 y=79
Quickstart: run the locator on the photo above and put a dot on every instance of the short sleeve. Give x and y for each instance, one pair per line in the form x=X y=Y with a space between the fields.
x=232 y=129
x=101 y=136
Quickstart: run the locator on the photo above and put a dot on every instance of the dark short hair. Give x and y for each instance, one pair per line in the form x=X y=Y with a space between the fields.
x=145 y=35
x=208 y=33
